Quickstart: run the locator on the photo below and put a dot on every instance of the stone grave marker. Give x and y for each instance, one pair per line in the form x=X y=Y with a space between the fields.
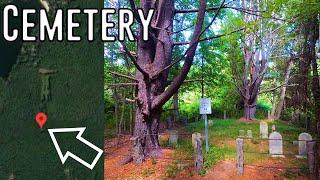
x=194 y=137
x=241 y=133
x=275 y=145
x=249 y=134
x=303 y=138
x=173 y=137
x=273 y=128
x=264 y=130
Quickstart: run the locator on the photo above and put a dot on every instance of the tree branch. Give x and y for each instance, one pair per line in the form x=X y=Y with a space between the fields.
x=133 y=59
x=178 y=80
x=190 y=46
x=133 y=8
x=123 y=84
x=210 y=38
x=124 y=76
x=275 y=88
x=247 y=11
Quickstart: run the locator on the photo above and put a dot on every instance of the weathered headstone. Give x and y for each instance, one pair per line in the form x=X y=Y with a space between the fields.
x=224 y=114
x=194 y=137
x=303 y=139
x=198 y=157
x=275 y=145
x=313 y=159
x=273 y=128
x=264 y=130
x=173 y=137
x=240 y=159
x=210 y=122
x=249 y=134
x=241 y=133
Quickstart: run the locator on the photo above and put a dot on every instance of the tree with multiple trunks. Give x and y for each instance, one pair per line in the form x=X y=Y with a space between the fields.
x=153 y=60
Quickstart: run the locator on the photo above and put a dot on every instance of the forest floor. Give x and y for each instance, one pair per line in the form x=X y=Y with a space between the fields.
x=176 y=162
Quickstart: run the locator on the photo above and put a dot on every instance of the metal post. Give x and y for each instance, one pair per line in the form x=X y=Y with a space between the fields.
x=202 y=79
x=206 y=131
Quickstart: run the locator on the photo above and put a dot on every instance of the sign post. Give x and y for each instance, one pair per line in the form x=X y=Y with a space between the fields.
x=205 y=108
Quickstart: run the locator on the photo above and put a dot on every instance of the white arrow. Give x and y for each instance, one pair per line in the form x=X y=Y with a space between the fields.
x=69 y=154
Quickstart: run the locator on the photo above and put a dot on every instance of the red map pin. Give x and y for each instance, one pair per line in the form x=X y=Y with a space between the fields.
x=41 y=119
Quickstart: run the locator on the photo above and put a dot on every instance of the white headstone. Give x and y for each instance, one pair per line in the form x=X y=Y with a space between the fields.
x=275 y=144
x=303 y=138
x=249 y=134
x=273 y=127
x=264 y=130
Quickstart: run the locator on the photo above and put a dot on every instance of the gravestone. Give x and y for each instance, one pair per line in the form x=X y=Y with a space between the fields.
x=224 y=114
x=249 y=134
x=303 y=138
x=275 y=145
x=264 y=130
x=173 y=137
x=194 y=137
x=241 y=133
x=273 y=128
x=198 y=156
x=210 y=122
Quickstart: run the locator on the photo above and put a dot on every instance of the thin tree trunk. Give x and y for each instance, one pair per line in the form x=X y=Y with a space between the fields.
x=280 y=104
x=176 y=107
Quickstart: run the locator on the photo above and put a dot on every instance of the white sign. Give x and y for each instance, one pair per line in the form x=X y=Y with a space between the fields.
x=205 y=106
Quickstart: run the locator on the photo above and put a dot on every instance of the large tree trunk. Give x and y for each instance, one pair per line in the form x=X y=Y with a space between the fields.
x=255 y=63
x=315 y=75
x=153 y=59
x=280 y=104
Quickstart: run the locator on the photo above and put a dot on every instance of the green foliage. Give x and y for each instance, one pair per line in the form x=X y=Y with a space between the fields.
x=214 y=155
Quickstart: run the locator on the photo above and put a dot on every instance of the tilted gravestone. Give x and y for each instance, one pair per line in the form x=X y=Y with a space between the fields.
x=264 y=130
x=275 y=145
x=249 y=134
x=303 y=138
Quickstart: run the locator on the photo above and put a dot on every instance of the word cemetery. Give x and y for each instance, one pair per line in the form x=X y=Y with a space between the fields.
x=69 y=25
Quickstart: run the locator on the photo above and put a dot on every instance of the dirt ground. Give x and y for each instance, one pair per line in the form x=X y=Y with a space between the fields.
x=156 y=169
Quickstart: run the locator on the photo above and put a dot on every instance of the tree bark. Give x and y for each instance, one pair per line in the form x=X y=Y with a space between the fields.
x=315 y=75
x=176 y=107
x=280 y=104
x=255 y=64
x=153 y=56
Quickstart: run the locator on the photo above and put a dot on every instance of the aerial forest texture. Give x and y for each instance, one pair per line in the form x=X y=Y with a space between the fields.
x=255 y=59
